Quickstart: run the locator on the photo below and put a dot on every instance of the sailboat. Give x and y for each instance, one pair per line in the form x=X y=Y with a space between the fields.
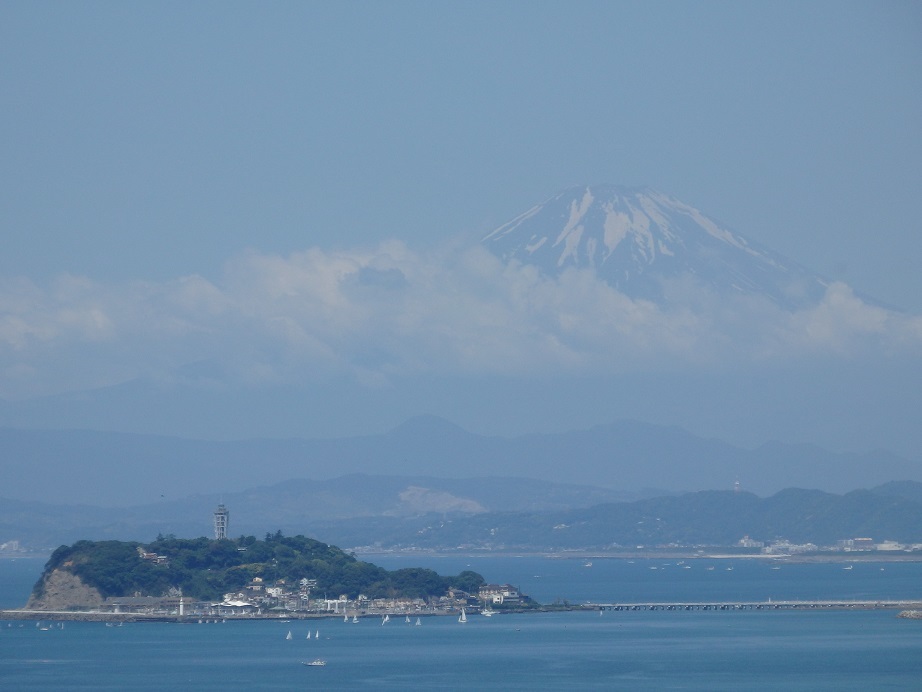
x=463 y=616
x=407 y=620
x=288 y=636
x=418 y=622
x=355 y=618
x=317 y=634
x=345 y=618
x=308 y=634
x=487 y=610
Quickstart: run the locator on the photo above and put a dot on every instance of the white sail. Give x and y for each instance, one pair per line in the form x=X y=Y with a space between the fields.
x=463 y=617
x=288 y=636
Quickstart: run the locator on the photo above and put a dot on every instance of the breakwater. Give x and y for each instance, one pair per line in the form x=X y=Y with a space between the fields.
x=837 y=604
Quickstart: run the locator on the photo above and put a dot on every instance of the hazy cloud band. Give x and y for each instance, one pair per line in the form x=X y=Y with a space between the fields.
x=381 y=313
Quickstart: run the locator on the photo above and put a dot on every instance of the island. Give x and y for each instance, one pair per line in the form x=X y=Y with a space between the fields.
x=279 y=576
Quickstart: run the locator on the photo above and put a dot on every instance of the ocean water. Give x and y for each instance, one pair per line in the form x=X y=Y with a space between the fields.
x=661 y=580
x=723 y=650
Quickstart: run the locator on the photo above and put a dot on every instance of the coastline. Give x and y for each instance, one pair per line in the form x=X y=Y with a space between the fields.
x=907 y=609
x=679 y=554
x=99 y=616
x=833 y=558
x=910 y=609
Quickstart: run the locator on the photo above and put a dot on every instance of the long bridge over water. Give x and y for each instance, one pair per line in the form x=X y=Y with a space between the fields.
x=761 y=605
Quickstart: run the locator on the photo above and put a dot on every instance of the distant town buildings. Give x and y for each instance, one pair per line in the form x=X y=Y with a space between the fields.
x=864 y=544
x=10 y=547
x=787 y=548
x=747 y=542
x=783 y=546
x=857 y=544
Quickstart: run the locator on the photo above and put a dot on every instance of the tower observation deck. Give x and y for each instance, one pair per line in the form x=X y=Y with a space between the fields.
x=221 y=516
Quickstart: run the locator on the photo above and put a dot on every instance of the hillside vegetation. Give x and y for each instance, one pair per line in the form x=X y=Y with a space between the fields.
x=206 y=569
x=702 y=518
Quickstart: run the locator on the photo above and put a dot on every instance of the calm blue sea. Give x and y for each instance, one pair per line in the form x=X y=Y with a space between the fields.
x=760 y=650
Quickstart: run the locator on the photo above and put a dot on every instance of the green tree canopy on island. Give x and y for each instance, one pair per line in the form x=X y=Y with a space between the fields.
x=206 y=569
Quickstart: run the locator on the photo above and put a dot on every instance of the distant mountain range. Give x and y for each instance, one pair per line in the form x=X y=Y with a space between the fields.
x=392 y=512
x=116 y=469
x=638 y=239
x=706 y=518
x=621 y=483
x=60 y=484
x=294 y=505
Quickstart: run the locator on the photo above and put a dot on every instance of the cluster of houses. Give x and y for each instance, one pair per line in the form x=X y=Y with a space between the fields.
x=849 y=545
x=279 y=599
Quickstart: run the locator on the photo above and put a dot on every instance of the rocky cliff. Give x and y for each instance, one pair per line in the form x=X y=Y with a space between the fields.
x=64 y=590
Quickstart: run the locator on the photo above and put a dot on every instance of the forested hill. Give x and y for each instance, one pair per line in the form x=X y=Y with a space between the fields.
x=206 y=569
x=704 y=518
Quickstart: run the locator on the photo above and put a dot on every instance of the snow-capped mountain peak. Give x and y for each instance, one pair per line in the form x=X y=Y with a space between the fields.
x=636 y=239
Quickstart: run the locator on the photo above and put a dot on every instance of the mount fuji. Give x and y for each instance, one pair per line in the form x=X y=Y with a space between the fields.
x=639 y=240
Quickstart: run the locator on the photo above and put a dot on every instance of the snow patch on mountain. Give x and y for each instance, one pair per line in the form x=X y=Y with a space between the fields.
x=638 y=240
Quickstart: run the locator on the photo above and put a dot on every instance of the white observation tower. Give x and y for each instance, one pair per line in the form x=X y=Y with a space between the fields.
x=221 y=516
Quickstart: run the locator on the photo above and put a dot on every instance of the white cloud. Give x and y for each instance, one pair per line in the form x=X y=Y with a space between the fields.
x=843 y=325
x=381 y=313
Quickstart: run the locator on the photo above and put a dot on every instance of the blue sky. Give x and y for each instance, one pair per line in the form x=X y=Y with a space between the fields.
x=157 y=157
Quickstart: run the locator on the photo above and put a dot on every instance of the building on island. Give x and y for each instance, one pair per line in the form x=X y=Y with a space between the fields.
x=499 y=594
x=221 y=516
